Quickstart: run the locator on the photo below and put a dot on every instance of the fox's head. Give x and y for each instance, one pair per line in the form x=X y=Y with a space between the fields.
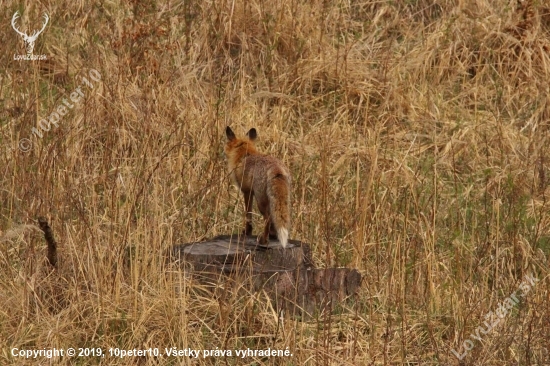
x=235 y=148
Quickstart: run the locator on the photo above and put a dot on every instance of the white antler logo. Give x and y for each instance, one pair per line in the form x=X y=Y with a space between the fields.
x=29 y=40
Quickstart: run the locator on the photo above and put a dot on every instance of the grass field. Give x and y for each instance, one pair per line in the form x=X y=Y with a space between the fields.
x=416 y=132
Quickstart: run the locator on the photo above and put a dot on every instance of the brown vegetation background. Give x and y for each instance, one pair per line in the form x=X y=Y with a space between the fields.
x=416 y=133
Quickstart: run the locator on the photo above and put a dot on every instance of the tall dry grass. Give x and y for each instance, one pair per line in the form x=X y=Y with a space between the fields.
x=417 y=136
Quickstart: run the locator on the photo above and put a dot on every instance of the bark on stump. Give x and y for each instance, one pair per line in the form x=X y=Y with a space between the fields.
x=287 y=275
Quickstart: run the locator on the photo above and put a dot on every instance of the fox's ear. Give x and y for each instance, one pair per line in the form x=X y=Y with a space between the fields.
x=252 y=134
x=229 y=133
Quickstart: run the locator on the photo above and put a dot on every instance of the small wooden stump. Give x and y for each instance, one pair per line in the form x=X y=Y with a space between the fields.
x=286 y=274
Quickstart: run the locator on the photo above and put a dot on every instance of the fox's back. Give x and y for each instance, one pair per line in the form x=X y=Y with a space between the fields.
x=257 y=170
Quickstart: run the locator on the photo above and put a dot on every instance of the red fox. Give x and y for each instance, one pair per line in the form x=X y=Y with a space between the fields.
x=262 y=177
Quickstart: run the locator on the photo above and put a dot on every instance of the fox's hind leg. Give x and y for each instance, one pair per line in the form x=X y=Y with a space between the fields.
x=262 y=239
x=248 y=198
x=272 y=230
x=264 y=209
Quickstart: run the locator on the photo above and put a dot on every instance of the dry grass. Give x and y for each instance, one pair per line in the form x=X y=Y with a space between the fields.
x=417 y=136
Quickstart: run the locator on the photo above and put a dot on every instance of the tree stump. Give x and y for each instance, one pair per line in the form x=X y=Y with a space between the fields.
x=287 y=275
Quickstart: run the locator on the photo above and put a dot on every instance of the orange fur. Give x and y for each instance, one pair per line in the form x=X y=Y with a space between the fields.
x=263 y=178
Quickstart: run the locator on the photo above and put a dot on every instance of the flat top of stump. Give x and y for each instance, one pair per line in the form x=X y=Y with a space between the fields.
x=230 y=251
x=231 y=244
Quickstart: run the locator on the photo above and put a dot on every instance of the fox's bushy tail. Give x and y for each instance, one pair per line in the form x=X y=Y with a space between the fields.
x=278 y=191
